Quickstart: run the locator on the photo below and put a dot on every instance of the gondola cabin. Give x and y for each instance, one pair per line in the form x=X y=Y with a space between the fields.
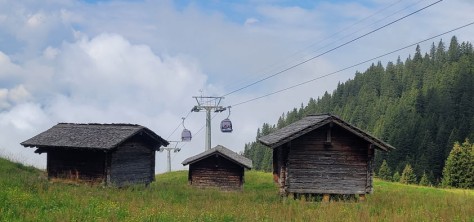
x=114 y=154
x=218 y=167
x=186 y=135
x=323 y=155
x=226 y=126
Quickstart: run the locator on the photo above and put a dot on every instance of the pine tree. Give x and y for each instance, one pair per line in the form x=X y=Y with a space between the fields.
x=396 y=177
x=424 y=181
x=384 y=171
x=408 y=176
x=421 y=107
x=459 y=168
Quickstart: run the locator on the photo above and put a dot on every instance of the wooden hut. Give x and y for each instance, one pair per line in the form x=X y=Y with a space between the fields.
x=218 y=167
x=117 y=154
x=322 y=154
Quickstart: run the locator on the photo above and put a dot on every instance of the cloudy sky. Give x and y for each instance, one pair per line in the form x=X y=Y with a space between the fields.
x=141 y=61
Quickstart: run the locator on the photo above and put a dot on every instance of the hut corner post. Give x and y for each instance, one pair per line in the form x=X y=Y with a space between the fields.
x=370 y=169
x=280 y=171
x=370 y=173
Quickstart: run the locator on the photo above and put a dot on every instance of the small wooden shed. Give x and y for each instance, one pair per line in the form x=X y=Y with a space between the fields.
x=218 y=167
x=117 y=154
x=322 y=154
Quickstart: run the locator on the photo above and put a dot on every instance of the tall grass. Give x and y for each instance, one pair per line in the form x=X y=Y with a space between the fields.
x=26 y=195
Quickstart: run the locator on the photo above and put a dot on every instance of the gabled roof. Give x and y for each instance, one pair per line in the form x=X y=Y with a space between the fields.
x=226 y=153
x=90 y=136
x=312 y=122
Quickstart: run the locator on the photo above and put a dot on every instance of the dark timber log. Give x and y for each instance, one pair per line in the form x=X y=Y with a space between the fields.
x=218 y=167
x=117 y=154
x=216 y=171
x=322 y=154
x=131 y=163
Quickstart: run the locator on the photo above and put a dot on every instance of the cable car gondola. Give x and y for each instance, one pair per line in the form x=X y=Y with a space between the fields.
x=226 y=124
x=186 y=134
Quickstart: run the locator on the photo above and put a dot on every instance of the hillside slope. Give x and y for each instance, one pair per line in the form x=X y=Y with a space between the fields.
x=420 y=106
x=25 y=195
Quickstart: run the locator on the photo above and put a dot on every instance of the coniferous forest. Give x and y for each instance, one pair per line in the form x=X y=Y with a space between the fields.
x=421 y=105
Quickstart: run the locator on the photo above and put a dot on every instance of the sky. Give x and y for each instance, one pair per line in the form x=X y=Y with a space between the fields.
x=141 y=62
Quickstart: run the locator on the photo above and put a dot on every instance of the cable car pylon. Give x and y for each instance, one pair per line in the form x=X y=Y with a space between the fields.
x=169 y=149
x=208 y=104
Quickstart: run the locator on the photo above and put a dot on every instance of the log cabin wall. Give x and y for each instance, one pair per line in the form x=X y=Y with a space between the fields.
x=334 y=162
x=132 y=162
x=216 y=171
x=280 y=163
x=76 y=164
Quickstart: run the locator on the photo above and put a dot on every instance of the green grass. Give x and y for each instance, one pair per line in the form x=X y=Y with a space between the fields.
x=26 y=195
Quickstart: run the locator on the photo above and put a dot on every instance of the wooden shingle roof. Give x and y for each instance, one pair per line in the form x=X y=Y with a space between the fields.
x=312 y=122
x=90 y=136
x=226 y=153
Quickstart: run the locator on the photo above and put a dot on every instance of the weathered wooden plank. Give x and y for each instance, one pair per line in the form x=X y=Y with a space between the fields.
x=327 y=163
x=328 y=191
x=315 y=159
x=325 y=179
x=216 y=171
x=308 y=168
x=313 y=165
x=132 y=162
x=357 y=153
x=328 y=183
x=336 y=177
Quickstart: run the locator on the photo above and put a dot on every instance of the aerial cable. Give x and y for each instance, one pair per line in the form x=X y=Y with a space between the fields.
x=352 y=66
x=354 y=24
x=321 y=54
x=200 y=130
x=370 y=16
x=332 y=49
x=314 y=57
x=323 y=40
x=348 y=35
x=184 y=144
x=177 y=127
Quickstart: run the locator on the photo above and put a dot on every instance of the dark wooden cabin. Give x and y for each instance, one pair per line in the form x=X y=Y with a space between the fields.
x=218 y=167
x=116 y=154
x=322 y=154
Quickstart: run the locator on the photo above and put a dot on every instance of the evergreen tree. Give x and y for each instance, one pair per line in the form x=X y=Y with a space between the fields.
x=384 y=172
x=424 y=181
x=459 y=168
x=421 y=107
x=396 y=177
x=408 y=176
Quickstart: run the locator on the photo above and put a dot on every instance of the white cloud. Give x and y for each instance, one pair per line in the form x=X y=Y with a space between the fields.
x=50 y=53
x=7 y=68
x=19 y=94
x=141 y=62
x=36 y=20
x=104 y=79
x=251 y=21
x=4 y=99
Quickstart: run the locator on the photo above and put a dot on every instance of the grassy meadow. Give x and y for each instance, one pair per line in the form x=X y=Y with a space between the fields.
x=26 y=195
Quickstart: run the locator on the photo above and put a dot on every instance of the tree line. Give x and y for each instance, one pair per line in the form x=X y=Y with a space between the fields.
x=421 y=106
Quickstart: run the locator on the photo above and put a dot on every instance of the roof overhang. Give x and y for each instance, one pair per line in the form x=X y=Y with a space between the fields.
x=331 y=119
x=223 y=152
